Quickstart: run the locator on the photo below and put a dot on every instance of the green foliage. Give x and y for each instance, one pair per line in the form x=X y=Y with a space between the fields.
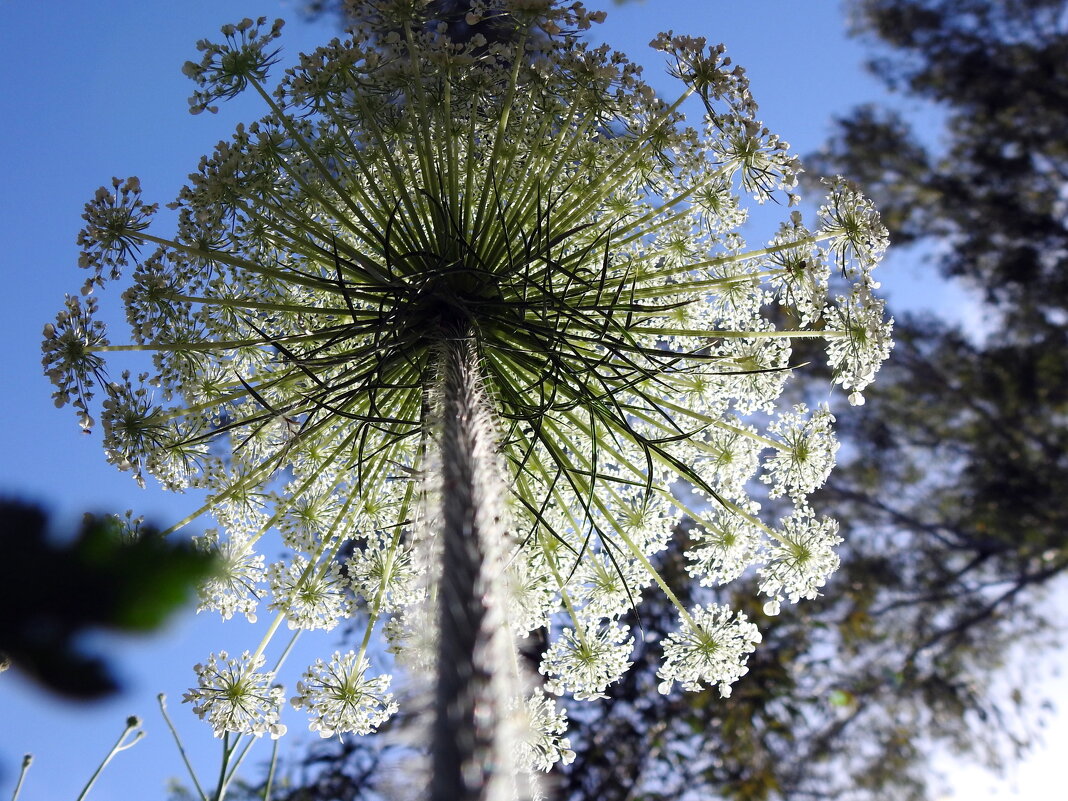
x=998 y=71
x=112 y=574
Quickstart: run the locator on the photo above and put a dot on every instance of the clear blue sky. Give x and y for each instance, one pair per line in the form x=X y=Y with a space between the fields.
x=93 y=90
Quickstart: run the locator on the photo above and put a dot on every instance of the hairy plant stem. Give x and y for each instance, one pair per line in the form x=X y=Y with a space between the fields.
x=472 y=743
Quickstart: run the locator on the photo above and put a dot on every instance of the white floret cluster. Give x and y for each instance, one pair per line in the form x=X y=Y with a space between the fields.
x=710 y=648
x=341 y=697
x=545 y=744
x=233 y=695
x=584 y=662
x=534 y=189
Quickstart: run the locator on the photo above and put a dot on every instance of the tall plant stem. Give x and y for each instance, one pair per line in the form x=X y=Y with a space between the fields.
x=472 y=747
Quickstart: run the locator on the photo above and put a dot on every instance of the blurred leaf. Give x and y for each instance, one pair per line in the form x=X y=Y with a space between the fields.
x=106 y=577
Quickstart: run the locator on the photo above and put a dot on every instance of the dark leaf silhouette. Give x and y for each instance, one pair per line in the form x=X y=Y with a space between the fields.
x=108 y=576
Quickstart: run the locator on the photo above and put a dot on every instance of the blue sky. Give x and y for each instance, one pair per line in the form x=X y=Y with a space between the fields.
x=93 y=90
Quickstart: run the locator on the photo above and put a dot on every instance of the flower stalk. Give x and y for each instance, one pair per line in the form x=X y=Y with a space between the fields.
x=471 y=747
x=131 y=735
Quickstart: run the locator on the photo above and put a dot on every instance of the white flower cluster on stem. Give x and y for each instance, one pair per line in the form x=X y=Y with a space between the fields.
x=529 y=190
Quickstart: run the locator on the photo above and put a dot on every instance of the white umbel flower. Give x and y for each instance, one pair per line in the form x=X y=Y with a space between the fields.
x=237 y=586
x=312 y=596
x=724 y=545
x=340 y=697
x=710 y=648
x=234 y=697
x=857 y=356
x=585 y=662
x=406 y=193
x=544 y=746
x=806 y=456
x=803 y=559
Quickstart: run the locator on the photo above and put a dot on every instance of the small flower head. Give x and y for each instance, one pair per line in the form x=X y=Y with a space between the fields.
x=383 y=573
x=859 y=238
x=312 y=596
x=856 y=356
x=753 y=370
x=801 y=286
x=233 y=697
x=134 y=426
x=724 y=545
x=586 y=661
x=719 y=208
x=800 y=563
x=806 y=455
x=729 y=455
x=544 y=746
x=113 y=219
x=238 y=586
x=710 y=648
x=70 y=359
x=225 y=69
x=341 y=698
x=749 y=150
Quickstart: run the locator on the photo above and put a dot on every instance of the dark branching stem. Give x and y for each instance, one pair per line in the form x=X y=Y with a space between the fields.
x=470 y=744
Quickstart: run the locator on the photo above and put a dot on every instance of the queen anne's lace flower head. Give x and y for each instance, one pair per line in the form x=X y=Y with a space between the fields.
x=584 y=662
x=113 y=220
x=225 y=69
x=340 y=697
x=311 y=596
x=544 y=746
x=724 y=545
x=530 y=189
x=710 y=648
x=806 y=455
x=856 y=356
x=800 y=563
x=71 y=356
x=237 y=584
x=234 y=697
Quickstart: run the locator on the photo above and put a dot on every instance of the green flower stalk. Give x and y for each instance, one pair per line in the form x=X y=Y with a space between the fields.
x=462 y=321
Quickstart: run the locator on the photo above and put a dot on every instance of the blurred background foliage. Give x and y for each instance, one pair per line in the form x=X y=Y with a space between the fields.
x=113 y=574
x=953 y=476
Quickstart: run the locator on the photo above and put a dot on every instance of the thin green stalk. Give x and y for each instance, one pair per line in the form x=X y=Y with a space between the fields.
x=162 y=699
x=132 y=723
x=27 y=760
x=227 y=752
x=270 y=772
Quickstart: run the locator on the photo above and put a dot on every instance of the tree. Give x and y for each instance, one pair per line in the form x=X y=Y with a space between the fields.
x=997 y=70
x=943 y=570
